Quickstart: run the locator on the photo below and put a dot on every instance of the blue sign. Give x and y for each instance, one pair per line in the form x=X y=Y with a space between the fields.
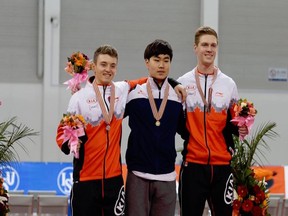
x=38 y=176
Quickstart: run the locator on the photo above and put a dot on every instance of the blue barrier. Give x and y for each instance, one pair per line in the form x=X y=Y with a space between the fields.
x=51 y=176
x=38 y=176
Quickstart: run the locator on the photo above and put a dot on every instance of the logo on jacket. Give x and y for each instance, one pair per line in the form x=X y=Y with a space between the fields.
x=65 y=180
x=191 y=89
x=11 y=177
x=141 y=92
x=219 y=94
x=228 y=193
x=91 y=100
x=120 y=203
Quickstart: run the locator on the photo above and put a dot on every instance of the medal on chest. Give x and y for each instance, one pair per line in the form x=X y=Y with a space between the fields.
x=106 y=115
x=157 y=113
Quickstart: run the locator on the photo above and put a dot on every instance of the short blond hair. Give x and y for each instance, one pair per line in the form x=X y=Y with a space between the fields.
x=105 y=49
x=204 y=30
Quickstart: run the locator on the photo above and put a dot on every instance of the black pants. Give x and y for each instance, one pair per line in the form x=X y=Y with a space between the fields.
x=98 y=197
x=199 y=183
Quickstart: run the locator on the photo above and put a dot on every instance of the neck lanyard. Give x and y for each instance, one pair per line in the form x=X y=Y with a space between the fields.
x=157 y=114
x=210 y=90
x=107 y=116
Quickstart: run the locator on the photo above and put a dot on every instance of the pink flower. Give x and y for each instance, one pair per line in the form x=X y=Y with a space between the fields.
x=69 y=68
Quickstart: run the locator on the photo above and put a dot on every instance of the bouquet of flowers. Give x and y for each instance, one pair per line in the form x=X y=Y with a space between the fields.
x=4 y=207
x=73 y=126
x=244 y=114
x=77 y=66
x=251 y=197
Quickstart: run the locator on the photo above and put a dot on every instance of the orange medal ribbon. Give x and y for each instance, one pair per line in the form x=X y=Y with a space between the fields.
x=157 y=114
x=210 y=90
x=107 y=117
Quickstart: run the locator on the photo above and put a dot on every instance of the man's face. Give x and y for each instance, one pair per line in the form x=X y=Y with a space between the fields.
x=158 y=67
x=105 y=69
x=206 y=50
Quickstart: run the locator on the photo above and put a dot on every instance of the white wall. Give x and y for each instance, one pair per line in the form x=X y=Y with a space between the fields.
x=25 y=102
x=272 y=107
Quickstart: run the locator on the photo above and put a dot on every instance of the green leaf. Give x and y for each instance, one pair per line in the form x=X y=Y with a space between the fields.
x=12 y=135
x=246 y=150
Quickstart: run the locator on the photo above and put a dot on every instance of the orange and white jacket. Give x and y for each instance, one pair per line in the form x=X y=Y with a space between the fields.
x=210 y=133
x=100 y=149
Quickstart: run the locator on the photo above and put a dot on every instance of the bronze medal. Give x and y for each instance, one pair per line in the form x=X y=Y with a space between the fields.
x=157 y=114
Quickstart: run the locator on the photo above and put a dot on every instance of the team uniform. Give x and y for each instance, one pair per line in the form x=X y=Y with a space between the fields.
x=98 y=184
x=151 y=154
x=208 y=151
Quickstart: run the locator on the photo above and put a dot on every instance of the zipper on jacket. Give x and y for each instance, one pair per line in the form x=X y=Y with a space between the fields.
x=205 y=126
x=159 y=89
x=107 y=147
x=107 y=133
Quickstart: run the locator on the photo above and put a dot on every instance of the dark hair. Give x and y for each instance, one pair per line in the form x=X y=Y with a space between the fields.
x=105 y=49
x=204 y=30
x=157 y=48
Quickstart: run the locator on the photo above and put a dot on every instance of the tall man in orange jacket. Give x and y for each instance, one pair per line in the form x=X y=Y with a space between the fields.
x=205 y=172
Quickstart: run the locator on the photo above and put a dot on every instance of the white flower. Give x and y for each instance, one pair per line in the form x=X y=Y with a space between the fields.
x=235 y=195
x=243 y=104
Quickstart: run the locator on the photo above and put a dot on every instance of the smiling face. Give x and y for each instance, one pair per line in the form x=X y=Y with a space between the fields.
x=105 y=69
x=158 y=67
x=206 y=50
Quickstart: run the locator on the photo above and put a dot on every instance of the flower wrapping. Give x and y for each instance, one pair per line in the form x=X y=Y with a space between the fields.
x=246 y=121
x=74 y=83
x=244 y=115
x=73 y=128
x=77 y=66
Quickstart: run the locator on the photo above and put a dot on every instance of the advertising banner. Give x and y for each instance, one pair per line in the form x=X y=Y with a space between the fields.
x=58 y=176
x=38 y=176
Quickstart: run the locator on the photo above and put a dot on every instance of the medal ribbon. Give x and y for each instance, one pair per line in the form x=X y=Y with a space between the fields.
x=207 y=104
x=107 y=117
x=157 y=114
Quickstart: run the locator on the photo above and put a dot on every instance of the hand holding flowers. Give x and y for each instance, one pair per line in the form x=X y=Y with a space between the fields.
x=244 y=116
x=73 y=127
x=77 y=66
